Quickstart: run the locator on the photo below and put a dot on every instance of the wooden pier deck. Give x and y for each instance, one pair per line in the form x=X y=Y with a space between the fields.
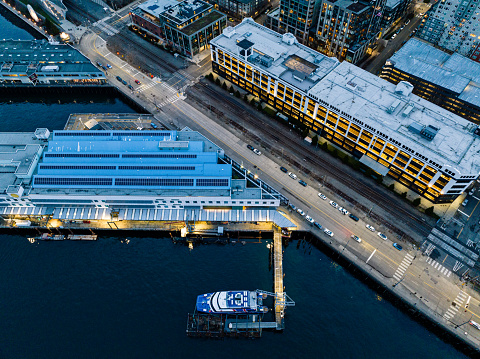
x=278 y=280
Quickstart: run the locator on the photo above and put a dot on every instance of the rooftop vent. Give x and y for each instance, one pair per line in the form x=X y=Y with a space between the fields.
x=229 y=31
x=404 y=88
x=408 y=111
x=15 y=191
x=42 y=133
x=393 y=107
x=288 y=38
x=477 y=131
x=416 y=128
x=429 y=132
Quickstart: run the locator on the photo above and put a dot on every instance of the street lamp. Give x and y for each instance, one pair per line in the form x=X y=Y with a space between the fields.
x=400 y=281
x=459 y=325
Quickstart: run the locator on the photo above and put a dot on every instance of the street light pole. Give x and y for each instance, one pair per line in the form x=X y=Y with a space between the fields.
x=459 y=325
x=400 y=281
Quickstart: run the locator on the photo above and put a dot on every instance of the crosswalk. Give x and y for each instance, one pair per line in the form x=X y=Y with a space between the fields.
x=402 y=268
x=109 y=30
x=169 y=100
x=439 y=267
x=457 y=303
x=429 y=249
x=146 y=86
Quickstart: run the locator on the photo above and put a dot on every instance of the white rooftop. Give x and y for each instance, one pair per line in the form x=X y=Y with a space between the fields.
x=367 y=97
x=156 y=7
x=283 y=49
x=453 y=72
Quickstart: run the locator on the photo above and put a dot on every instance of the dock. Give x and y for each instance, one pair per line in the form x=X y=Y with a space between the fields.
x=278 y=280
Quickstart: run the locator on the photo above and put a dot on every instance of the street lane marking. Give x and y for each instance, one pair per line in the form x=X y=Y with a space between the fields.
x=371 y=255
x=457 y=303
x=436 y=265
x=403 y=267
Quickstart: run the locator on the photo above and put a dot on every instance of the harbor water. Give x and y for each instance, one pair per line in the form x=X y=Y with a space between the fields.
x=119 y=298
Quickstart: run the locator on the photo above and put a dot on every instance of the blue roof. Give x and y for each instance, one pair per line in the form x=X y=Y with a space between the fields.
x=129 y=159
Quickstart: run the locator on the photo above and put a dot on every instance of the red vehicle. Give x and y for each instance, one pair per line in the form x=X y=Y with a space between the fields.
x=86 y=221
x=137 y=82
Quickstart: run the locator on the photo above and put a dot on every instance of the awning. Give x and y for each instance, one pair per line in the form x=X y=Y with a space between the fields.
x=374 y=165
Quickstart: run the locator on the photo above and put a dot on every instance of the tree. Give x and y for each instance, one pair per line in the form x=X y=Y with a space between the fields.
x=237 y=94
x=346 y=159
x=224 y=86
x=305 y=132
x=429 y=211
x=252 y=102
x=416 y=202
x=404 y=194
x=245 y=98
x=379 y=179
x=325 y=146
x=392 y=187
x=410 y=16
x=231 y=89
x=217 y=81
x=315 y=140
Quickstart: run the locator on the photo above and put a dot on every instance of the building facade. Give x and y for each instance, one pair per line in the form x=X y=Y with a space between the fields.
x=298 y=17
x=40 y=63
x=424 y=147
x=347 y=28
x=453 y=25
x=393 y=10
x=241 y=8
x=450 y=81
x=187 y=26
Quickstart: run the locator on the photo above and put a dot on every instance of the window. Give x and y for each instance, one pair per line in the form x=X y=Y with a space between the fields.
x=82 y=155
x=211 y=182
x=162 y=168
x=67 y=167
x=55 y=181
x=164 y=182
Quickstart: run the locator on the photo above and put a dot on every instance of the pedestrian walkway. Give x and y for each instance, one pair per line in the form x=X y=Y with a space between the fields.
x=457 y=303
x=146 y=86
x=402 y=268
x=438 y=266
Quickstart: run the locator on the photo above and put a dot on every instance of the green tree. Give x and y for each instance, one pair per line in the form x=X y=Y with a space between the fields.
x=416 y=202
x=379 y=179
x=231 y=89
x=224 y=86
x=217 y=81
x=237 y=94
x=325 y=146
x=346 y=159
x=305 y=132
x=252 y=102
x=245 y=98
x=404 y=194
x=315 y=140
x=429 y=211
x=392 y=187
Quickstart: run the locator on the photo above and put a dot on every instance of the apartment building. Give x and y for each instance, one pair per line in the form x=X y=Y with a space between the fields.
x=389 y=129
x=187 y=25
x=346 y=28
x=453 y=25
x=450 y=81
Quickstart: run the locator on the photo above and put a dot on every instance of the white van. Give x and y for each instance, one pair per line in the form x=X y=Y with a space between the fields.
x=292 y=175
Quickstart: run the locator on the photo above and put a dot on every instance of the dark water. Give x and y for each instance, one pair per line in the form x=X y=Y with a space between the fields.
x=109 y=299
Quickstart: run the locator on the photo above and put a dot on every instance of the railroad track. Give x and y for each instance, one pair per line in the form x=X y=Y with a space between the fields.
x=271 y=135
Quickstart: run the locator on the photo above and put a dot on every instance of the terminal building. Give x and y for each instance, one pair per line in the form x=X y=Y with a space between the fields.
x=423 y=146
x=187 y=25
x=40 y=63
x=96 y=174
x=451 y=81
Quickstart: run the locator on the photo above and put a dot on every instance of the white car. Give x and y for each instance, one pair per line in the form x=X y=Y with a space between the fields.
x=370 y=228
x=382 y=236
x=292 y=175
x=300 y=212
x=310 y=219
x=356 y=238
x=343 y=210
x=333 y=204
x=322 y=196
x=257 y=152
x=328 y=232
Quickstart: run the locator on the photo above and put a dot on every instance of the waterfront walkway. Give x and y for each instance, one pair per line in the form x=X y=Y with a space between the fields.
x=278 y=279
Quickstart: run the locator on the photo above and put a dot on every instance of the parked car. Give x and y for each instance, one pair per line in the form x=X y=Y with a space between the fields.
x=283 y=169
x=343 y=210
x=99 y=64
x=370 y=228
x=250 y=147
x=130 y=87
x=356 y=238
x=333 y=204
x=109 y=66
x=474 y=324
x=310 y=219
x=300 y=212
x=328 y=232
x=103 y=67
x=355 y=218
x=398 y=246
x=292 y=206
x=124 y=82
x=318 y=225
x=303 y=183
x=322 y=196
x=119 y=78
x=394 y=36
x=382 y=236
x=137 y=82
x=257 y=152
x=292 y=175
